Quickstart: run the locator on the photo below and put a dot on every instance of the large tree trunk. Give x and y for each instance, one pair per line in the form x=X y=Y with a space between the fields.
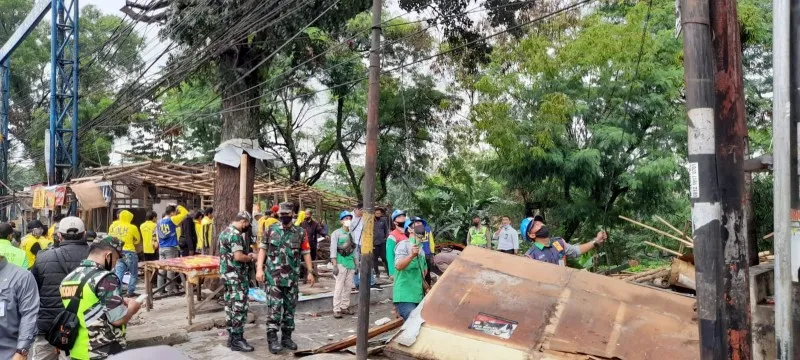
x=238 y=122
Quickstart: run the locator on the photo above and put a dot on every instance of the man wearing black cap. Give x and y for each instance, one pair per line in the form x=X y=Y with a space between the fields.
x=554 y=250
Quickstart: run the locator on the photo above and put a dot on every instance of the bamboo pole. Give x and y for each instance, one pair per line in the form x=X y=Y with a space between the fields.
x=673 y=252
x=646 y=273
x=659 y=218
x=658 y=231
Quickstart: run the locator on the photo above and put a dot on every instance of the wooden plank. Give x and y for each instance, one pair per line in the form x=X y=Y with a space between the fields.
x=351 y=340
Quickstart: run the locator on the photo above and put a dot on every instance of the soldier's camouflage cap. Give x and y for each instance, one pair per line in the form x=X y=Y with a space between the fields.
x=285 y=208
x=110 y=240
x=244 y=215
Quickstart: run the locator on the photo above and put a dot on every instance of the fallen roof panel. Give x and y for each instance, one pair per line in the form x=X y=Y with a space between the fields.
x=520 y=308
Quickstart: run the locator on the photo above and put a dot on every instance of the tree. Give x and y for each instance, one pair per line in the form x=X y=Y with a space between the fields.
x=585 y=126
x=242 y=55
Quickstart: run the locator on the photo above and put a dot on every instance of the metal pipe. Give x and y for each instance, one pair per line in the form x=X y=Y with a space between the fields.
x=55 y=37
x=368 y=190
x=781 y=107
x=75 y=98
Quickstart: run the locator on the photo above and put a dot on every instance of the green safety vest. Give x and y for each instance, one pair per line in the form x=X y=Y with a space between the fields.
x=80 y=350
x=477 y=237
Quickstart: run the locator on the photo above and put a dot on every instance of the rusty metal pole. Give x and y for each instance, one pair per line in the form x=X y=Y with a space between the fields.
x=703 y=191
x=731 y=136
x=368 y=186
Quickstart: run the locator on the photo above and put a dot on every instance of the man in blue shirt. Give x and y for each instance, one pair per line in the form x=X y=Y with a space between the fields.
x=167 y=231
x=555 y=250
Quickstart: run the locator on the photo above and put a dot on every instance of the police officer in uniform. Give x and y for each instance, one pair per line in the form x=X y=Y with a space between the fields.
x=284 y=248
x=234 y=268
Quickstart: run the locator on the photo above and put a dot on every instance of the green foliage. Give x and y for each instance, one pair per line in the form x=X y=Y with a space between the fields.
x=106 y=60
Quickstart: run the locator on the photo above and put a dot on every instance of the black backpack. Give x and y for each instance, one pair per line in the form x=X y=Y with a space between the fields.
x=64 y=329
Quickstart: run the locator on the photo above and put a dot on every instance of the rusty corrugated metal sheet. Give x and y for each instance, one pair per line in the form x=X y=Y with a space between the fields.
x=557 y=311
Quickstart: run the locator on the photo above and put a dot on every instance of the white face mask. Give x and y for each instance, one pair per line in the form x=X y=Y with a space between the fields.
x=346 y=223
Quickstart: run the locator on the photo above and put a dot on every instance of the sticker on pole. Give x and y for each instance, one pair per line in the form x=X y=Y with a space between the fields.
x=694 y=180
x=493 y=325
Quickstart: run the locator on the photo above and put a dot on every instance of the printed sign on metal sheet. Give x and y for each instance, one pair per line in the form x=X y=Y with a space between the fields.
x=493 y=325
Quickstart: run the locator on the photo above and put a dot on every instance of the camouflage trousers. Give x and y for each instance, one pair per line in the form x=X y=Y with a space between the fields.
x=235 y=297
x=281 y=301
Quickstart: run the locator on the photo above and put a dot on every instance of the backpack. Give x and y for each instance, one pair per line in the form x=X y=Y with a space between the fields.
x=64 y=329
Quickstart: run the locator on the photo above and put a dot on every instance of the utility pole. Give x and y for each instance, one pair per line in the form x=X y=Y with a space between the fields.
x=784 y=138
x=368 y=190
x=703 y=191
x=731 y=136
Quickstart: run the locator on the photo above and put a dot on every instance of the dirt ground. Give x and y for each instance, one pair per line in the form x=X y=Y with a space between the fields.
x=311 y=332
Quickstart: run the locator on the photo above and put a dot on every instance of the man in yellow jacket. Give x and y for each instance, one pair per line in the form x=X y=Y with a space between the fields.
x=207 y=232
x=32 y=243
x=124 y=230
x=51 y=231
x=149 y=241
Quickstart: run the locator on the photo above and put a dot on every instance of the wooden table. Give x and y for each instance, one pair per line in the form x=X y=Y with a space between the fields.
x=192 y=269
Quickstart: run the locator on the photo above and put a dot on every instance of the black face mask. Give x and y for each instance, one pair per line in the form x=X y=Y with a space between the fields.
x=108 y=266
x=247 y=229
x=286 y=220
x=419 y=229
x=543 y=233
x=399 y=224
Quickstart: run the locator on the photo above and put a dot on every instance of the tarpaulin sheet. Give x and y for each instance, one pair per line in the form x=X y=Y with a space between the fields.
x=89 y=195
x=492 y=304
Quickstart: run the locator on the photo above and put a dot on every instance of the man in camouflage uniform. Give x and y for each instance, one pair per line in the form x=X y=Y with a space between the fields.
x=234 y=269
x=102 y=311
x=285 y=247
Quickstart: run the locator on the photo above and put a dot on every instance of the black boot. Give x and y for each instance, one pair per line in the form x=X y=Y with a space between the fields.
x=286 y=340
x=272 y=340
x=240 y=344
x=230 y=339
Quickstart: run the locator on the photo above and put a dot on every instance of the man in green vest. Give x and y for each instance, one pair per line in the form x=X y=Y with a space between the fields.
x=102 y=311
x=478 y=235
x=13 y=254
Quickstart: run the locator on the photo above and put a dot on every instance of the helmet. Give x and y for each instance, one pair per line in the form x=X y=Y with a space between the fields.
x=524 y=226
x=275 y=209
x=397 y=213
x=345 y=214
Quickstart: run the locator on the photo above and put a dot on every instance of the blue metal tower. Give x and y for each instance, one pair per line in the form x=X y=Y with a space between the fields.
x=64 y=49
x=5 y=83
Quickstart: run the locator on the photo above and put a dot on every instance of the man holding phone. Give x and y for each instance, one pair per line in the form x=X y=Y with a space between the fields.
x=409 y=279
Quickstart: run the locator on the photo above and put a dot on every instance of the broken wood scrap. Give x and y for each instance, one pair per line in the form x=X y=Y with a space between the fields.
x=351 y=340
x=648 y=227
x=768 y=236
x=647 y=273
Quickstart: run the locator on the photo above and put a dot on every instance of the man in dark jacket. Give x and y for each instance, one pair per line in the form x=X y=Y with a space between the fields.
x=49 y=270
x=380 y=233
x=314 y=230
x=188 y=239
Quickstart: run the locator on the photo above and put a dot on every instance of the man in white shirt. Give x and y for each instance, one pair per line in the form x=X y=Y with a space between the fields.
x=357 y=227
